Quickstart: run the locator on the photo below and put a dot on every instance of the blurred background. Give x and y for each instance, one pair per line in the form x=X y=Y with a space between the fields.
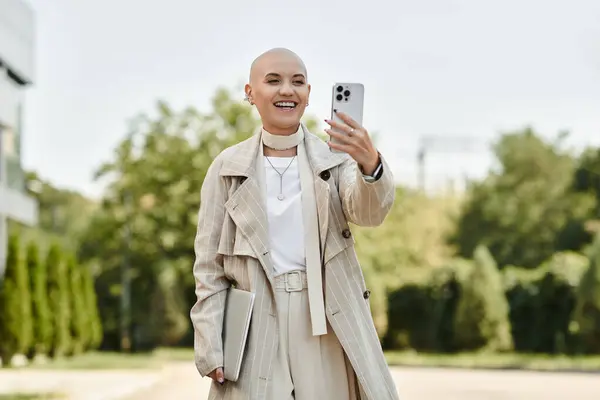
x=488 y=112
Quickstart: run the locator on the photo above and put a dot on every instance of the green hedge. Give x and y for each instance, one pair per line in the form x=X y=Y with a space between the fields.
x=586 y=320
x=47 y=303
x=539 y=306
x=421 y=314
x=15 y=305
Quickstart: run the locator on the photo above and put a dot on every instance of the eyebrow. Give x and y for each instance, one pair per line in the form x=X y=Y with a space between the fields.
x=275 y=74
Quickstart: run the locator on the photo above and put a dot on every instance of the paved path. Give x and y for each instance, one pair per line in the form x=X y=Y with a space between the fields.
x=182 y=382
x=453 y=384
x=79 y=385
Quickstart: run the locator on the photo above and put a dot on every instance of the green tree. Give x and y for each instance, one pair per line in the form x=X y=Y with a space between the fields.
x=586 y=316
x=146 y=220
x=587 y=174
x=15 y=305
x=63 y=212
x=59 y=302
x=92 y=320
x=526 y=210
x=587 y=180
x=79 y=328
x=166 y=301
x=482 y=313
x=42 y=327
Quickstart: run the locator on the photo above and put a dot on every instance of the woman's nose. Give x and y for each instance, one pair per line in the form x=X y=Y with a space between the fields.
x=286 y=88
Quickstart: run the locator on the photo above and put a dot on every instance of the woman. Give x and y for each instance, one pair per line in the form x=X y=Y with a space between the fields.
x=274 y=219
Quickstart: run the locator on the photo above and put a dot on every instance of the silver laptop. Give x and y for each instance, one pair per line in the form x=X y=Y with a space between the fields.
x=238 y=312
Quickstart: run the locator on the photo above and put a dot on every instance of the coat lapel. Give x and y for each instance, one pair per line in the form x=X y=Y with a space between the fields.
x=247 y=205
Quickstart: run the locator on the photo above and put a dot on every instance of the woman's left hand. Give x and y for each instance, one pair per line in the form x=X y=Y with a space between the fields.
x=355 y=141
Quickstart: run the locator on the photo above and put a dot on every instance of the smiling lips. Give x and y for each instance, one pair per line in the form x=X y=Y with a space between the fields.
x=286 y=105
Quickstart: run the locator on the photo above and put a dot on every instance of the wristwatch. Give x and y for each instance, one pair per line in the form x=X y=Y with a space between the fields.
x=376 y=174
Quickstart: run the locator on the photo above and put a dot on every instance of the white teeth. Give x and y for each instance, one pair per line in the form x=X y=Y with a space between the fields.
x=285 y=104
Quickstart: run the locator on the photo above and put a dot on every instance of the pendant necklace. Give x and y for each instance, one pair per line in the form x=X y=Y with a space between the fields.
x=280 y=196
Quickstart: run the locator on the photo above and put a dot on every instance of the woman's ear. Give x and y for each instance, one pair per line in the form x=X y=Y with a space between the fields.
x=248 y=91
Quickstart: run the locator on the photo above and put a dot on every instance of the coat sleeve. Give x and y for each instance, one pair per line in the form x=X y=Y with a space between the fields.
x=211 y=283
x=366 y=203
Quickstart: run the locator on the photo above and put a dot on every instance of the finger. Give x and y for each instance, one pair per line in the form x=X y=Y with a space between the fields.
x=341 y=137
x=347 y=130
x=220 y=375
x=342 y=147
x=348 y=120
x=339 y=126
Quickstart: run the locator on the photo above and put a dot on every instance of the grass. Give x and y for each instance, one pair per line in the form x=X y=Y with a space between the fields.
x=25 y=396
x=113 y=360
x=534 y=362
x=158 y=358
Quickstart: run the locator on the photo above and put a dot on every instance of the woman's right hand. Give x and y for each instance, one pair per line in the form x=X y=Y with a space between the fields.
x=217 y=375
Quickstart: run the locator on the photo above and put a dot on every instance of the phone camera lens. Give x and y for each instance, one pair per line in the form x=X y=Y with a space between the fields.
x=347 y=93
x=339 y=89
x=339 y=97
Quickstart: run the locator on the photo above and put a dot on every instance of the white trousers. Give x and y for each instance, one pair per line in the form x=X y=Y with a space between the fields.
x=309 y=367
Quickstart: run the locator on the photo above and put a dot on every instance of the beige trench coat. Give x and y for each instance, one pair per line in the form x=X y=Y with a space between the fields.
x=231 y=245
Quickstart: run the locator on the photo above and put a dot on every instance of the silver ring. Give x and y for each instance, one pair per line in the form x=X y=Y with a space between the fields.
x=351 y=132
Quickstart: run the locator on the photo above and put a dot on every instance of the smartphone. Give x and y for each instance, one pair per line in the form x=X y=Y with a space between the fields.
x=348 y=98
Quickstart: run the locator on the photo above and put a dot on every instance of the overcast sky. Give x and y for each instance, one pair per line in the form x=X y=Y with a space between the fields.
x=436 y=67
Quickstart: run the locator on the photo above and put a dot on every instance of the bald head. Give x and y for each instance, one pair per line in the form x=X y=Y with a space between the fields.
x=278 y=76
x=271 y=58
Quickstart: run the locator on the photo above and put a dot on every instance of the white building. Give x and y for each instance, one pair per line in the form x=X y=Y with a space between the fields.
x=16 y=73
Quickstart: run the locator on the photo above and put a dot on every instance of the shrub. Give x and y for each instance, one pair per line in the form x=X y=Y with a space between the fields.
x=15 y=305
x=420 y=312
x=93 y=321
x=586 y=316
x=42 y=328
x=522 y=292
x=58 y=300
x=80 y=331
x=482 y=313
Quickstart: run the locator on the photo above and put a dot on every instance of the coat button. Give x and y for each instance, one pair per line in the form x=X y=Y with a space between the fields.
x=325 y=175
x=367 y=294
x=346 y=233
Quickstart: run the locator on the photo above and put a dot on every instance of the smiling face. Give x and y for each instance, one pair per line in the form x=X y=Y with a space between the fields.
x=278 y=87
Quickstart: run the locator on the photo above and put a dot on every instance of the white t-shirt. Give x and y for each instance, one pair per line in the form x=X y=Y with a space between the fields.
x=286 y=225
